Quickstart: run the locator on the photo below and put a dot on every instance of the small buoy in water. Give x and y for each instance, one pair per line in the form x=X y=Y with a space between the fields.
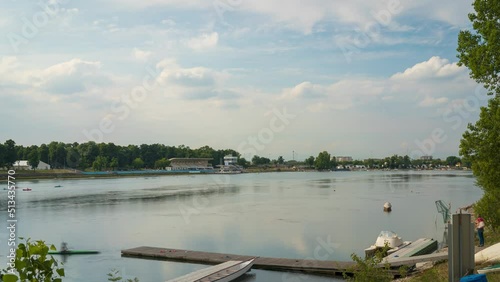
x=387 y=207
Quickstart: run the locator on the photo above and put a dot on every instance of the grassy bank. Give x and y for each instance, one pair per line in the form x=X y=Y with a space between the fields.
x=439 y=272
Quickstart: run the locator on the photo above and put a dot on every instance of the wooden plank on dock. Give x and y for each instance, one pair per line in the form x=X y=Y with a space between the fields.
x=278 y=264
x=269 y=263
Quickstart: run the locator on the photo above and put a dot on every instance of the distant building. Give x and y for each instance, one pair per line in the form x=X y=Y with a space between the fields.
x=23 y=165
x=343 y=159
x=230 y=160
x=426 y=158
x=190 y=164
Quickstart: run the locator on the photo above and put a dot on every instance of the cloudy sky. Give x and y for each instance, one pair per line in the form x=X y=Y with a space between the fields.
x=265 y=77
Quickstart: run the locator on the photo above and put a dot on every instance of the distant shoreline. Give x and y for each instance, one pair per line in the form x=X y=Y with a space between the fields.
x=72 y=174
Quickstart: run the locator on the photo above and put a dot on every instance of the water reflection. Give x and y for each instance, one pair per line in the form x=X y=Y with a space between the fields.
x=290 y=215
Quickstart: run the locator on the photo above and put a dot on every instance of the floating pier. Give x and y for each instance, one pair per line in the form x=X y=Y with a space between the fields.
x=320 y=267
x=419 y=247
x=278 y=264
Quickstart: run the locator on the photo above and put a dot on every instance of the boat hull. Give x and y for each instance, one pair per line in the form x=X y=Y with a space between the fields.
x=223 y=272
x=493 y=268
x=237 y=274
x=488 y=255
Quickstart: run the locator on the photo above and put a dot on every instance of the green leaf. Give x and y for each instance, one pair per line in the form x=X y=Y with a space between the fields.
x=60 y=271
x=9 y=277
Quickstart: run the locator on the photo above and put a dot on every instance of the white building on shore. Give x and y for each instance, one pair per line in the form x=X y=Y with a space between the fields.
x=24 y=165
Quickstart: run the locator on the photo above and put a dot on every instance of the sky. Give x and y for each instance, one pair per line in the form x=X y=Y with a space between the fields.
x=366 y=79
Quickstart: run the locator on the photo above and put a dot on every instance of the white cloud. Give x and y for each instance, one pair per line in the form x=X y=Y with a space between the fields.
x=416 y=85
x=434 y=67
x=168 y=22
x=196 y=4
x=431 y=101
x=190 y=83
x=337 y=96
x=68 y=77
x=7 y=64
x=71 y=77
x=306 y=90
x=141 y=55
x=204 y=41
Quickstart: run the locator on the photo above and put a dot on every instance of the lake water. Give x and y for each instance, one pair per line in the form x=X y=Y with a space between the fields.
x=327 y=215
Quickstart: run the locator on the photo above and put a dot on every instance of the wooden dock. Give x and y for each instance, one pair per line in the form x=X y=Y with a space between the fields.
x=279 y=264
x=319 y=267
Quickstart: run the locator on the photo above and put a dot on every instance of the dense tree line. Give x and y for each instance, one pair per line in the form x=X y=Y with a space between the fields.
x=108 y=156
x=104 y=156
x=325 y=161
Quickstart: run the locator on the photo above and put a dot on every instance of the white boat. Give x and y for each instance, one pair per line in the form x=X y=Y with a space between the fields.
x=488 y=255
x=493 y=268
x=223 y=272
x=393 y=241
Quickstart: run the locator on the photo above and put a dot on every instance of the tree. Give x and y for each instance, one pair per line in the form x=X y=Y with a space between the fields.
x=479 y=145
x=310 y=161
x=281 y=160
x=138 y=163
x=34 y=158
x=100 y=163
x=2 y=156
x=32 y=263
x=452 y=160
x=162 y=163
x=10 y=154
x=73 y=157
x=243 y=162
x=43 y=150
x=114 y=163
x=323 y=161
x=256 y=160
x=479 y=50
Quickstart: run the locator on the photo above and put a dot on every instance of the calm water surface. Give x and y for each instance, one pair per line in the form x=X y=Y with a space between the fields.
x=327 y=215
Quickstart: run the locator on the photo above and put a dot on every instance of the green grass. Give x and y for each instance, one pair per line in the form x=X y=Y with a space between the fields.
x=439 y=273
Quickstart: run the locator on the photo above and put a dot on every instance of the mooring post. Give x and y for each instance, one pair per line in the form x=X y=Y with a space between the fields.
x=460 y=247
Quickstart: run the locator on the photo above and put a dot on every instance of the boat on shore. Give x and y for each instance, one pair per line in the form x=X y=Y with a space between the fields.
x=224 y=272
x=389 y=238
x=488 y=255
x=492 y=268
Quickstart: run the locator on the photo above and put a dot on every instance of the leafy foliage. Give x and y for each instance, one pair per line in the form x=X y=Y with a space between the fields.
x=481 y=146
x=369 y=269
x=33 y=264
x=114 y=276
x=479 y=50
x=323 y=161
x=34 y=159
